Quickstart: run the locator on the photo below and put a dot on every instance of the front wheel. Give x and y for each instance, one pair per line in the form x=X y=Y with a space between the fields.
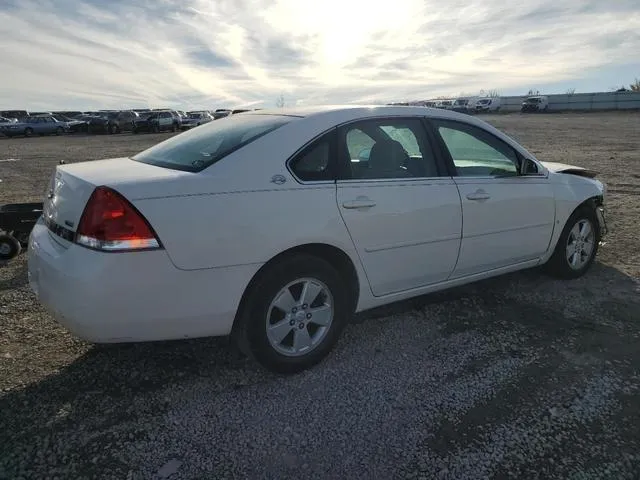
x=577 y=246
x=59 y=131
x=295 y=313
x=28 y=132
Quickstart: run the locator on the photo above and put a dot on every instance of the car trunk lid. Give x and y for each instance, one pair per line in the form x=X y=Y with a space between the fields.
x=71 y=186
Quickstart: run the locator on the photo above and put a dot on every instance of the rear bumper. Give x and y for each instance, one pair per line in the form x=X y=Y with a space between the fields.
x=131 y=297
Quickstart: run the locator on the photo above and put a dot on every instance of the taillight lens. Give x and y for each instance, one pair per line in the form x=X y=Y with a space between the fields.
x=109 y=222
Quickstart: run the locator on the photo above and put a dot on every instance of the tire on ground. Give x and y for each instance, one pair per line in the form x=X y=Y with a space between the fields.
x=9 y=247
x=559 y=265
x=252 y=333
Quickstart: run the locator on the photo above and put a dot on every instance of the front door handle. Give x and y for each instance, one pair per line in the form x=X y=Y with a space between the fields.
x=360 y=202
x=479 y=195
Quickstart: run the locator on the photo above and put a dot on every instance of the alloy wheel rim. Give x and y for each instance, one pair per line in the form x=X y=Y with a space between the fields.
x=580 y=244
x=299 y=317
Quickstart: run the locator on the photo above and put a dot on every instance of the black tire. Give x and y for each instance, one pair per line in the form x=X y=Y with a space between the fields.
x=28 y=132
x=9 y=247
x=113 y=129
x=59 y=131
x=174 y=128
x=134 y=130
x=558 y=265
x=251 y=334
x=156 y=128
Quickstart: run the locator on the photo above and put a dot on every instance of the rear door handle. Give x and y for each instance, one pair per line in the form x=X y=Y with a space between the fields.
x=479 y=195
x=360 y=202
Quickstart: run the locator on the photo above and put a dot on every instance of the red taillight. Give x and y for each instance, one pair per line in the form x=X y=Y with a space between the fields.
x=110 y=222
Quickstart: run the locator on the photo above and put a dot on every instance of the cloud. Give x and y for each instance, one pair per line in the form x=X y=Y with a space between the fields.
x=207 y=54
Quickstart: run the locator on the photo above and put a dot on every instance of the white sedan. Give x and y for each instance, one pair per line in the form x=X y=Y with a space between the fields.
x=275 y=226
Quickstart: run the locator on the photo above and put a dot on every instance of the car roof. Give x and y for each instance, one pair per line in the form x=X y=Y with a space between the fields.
x=346 y=113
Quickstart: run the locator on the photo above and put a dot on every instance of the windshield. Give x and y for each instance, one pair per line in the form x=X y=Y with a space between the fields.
x=533 y=100
x=484 y=102
x=199 y=148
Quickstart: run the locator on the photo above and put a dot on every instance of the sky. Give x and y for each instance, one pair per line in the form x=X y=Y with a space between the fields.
x=192 y=54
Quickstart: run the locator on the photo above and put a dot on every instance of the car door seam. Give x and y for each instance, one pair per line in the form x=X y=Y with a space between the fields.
x=353 y=243
x=461 y=228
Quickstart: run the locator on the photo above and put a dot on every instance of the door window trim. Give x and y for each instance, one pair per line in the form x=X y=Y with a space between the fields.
x=426 y=138
x=332 y=135
x=432 y=125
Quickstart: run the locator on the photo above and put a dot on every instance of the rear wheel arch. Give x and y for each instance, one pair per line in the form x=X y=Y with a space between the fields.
x=336 y=257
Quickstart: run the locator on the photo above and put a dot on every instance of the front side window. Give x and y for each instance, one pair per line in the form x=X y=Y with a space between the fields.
x=386 y=149
x=475 y=152
x=199 y=148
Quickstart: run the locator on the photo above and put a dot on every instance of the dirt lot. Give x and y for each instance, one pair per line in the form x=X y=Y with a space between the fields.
x=518 y=377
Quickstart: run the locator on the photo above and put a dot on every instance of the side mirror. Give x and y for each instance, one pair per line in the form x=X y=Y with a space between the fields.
x=528 y=167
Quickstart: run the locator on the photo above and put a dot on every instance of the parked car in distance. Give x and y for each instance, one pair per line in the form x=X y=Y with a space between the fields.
x=123 y=121
x=195 y=119
x=14 y=113
x=221 y=113
x=536 y=103
x=99 y=122
x=41 y=125
x=75 y=125
x=158 y=121
x=4 y=122
x=445 y=104
x=179 y=241
x=461 y=105
x=485 y=105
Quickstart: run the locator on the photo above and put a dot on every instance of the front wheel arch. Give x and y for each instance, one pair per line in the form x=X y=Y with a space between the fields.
x=555 y=264
x=592 y=202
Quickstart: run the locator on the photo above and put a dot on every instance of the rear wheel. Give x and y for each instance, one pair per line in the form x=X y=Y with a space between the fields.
x=59 y=131
x=114 y=129
x=9 y=247
x=28 y=132
x=295 y=313
x=577 y=246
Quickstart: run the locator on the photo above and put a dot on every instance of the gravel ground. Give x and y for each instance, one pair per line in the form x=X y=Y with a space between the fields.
x=520 y=377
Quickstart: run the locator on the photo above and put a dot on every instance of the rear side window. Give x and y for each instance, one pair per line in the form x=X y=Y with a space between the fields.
x=313 y=163
x=199 y=148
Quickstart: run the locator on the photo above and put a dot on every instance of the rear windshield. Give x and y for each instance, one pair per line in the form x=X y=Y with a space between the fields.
x=201 y=147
